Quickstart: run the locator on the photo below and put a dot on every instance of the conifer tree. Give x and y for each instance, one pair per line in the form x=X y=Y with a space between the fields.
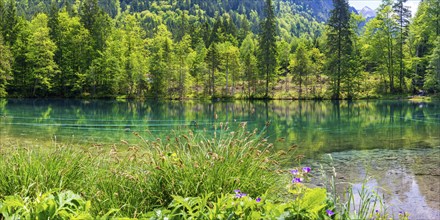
x=267 y=57
x=10 y=23
x=339 y=45
x=2 y=15
x=403 y=15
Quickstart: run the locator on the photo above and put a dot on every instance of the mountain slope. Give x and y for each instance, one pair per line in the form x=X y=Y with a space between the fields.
x=367 y=12
x=295 y=17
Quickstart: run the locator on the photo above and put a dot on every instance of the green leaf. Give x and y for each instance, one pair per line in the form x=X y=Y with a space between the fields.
x=313 y=200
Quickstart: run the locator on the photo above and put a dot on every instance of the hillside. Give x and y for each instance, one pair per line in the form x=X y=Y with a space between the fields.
x=295 y=17
x=209 y=49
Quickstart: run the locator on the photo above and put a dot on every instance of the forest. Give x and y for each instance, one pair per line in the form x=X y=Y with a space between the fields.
x=200 y=49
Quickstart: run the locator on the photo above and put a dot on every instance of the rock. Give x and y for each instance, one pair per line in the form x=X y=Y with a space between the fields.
x=391 y=158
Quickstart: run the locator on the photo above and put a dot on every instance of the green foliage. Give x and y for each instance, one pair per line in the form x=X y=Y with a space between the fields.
x=161 y=48
x=339 y=44
x=249 y=61
x=5 y=67
x=267 y=52
x=56 y=205
x=114 y=48
x=198 y=67
x=41 y=51
x=230 y=65
x=213 y=63
x=403 y=15
x=185 y=176
x=73 y=50
x=310 y=204
x=301 y=66
x=141 y=178
x=433 y=77
x=42 y=171
x=10 y=22
x=184 y=54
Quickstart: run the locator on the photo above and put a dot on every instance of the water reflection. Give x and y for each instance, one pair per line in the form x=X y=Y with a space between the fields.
x=317 y=127
x=390 y=140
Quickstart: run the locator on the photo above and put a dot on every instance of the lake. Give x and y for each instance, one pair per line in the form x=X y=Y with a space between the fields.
x=394 y=143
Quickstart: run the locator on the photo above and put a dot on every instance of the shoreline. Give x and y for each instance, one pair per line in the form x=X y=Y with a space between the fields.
x=225 y=99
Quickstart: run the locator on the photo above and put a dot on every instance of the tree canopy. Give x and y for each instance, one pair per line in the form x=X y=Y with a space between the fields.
x=211 y=49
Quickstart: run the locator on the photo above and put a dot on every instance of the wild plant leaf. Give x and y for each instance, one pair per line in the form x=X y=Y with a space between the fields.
x=256 y=215
x=83 y=216
x=284 y=215
x=12 y=207
x=109 y=213
x=13 y=202
x=45 y=209
x=313 y=200
x=179 y=202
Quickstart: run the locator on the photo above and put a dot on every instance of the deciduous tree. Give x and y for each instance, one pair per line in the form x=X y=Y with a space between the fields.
x=301 y=66
x=41 y=51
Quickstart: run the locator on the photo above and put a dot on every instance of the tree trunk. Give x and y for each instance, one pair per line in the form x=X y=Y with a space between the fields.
x=300 y=87
x=267 y=82
x=227 y=75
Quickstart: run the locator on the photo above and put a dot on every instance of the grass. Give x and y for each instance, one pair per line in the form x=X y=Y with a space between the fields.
x=184 y=176
x=138 y=179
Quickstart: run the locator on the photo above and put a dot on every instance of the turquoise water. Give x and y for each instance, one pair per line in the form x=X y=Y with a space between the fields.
x=395 y=145
x=316 y=127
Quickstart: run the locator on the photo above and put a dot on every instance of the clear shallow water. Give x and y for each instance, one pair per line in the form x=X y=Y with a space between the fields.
x=380 y=131
x=407 y=179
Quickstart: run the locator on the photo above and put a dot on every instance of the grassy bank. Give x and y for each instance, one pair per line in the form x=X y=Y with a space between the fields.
x=226 y=175
x=137 y=179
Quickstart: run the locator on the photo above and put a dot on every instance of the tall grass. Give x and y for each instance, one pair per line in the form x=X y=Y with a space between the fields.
x=137 y=179
x=26 y=171
x=364 y=203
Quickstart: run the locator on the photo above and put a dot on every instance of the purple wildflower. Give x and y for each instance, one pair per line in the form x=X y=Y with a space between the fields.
x=258 y=199
x=377 y=210
x=329 y=212
x=296 y=180
x=307 y=169
x=294 y=172
x=238 y=194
